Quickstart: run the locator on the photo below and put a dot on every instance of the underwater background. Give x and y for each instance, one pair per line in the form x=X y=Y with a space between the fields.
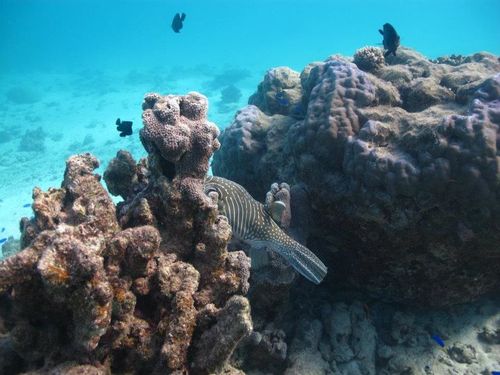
x=70 y=68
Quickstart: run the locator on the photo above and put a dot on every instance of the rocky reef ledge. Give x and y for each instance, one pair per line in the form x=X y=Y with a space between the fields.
x=399 y=161
x=147 y=287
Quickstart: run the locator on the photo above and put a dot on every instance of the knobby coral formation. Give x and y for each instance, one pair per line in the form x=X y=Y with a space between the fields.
x=144 y=287
x=356 y=338
x=400 y=168
x=369 y=59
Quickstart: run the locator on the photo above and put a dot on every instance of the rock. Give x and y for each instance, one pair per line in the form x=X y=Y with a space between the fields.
x=121 y=175
x=462 y=353
x=127 y=288
x=280 y=80
x=216 y=345
x=377 y=173
x=304 y=355
x=424 y=93
x=33 y=141
x=22 y=95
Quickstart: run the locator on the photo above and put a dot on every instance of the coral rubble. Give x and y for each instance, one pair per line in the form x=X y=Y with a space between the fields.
x=400 y=167
x=147 y=286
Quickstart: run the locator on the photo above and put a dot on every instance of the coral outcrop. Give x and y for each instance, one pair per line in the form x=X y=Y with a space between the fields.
x=384 y=340
x=400 y=169
x=369 y=59
x=145 y=287
x=280 y=92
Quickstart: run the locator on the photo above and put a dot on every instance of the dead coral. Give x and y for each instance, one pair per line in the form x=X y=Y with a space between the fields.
x=121 y=175
x=129 y=299
x=232 y=323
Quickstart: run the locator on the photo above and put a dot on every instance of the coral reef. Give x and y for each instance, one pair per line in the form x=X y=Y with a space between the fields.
x=229 y=97
x=400 y=170
x=10 y=247
x=226 y=78
x=230 y=94
x=121 y=175
x=369 y=59
x=7 y=135
x=350 y=334
x=22 y=95
x=33 y=140
x=145 y=287
x=284 y=81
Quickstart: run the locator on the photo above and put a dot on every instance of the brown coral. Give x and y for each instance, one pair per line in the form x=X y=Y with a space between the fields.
x=127 y=297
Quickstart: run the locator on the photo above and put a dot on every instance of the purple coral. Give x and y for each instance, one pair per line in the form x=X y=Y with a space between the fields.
x=384 y=182
x=176 y=127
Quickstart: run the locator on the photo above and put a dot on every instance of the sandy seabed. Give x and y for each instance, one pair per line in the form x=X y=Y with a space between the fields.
x=46 y=117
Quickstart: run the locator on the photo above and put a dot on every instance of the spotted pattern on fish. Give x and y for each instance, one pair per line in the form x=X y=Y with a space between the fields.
x=251 y=223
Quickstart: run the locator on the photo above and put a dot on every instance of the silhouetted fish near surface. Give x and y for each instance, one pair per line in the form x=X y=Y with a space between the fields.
x=3 y=230
x=124 y=127
x=438 y=340
x=391 y=39
x=26 y=205
x=177 y=22
x=2 y=240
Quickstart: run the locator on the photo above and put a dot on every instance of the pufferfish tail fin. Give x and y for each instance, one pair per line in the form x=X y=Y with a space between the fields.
x=259 y=257
x=301 y=259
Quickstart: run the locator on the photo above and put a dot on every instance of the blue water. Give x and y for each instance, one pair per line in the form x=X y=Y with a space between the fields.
x=71 y=34
x=77 y=65
x=84 y=63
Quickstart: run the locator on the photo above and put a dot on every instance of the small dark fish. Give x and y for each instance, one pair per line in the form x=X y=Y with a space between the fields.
x=124 y=127
x=438 y=340
x=3 y=230
x=391 y=39
x=177 y=21
x=281 y=99
x=2 y=240
x=26 y=205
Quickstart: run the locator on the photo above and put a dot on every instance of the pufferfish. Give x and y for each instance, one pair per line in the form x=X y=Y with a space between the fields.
x=253 y=224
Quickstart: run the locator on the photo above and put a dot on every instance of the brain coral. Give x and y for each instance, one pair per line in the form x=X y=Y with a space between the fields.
x=408 y=189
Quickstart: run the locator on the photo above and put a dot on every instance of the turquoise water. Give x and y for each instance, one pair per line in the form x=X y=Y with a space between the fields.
x=70 y=68
x=78 y=65
x=55 y=35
